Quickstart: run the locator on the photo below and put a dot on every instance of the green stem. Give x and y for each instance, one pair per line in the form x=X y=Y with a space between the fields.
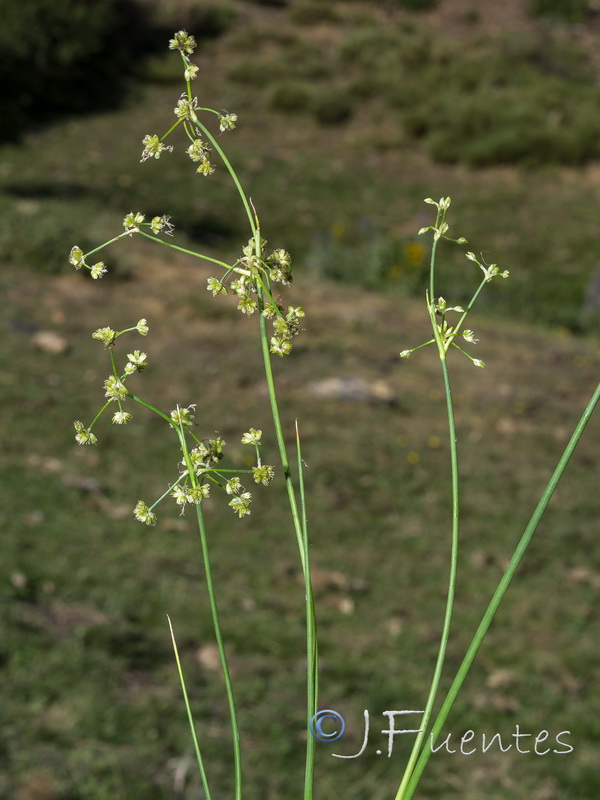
x=184 y=250
x=190 y=716
x=230 y=169
x=401 y=793
x=312 y=655
x=216 y=622
x=302 y=541
x=110 y=241
x=500 y=592
x=222 y=655
x=459 y=324
x=298 y=526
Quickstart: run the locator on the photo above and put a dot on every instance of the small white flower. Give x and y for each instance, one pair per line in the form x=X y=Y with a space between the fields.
x=143 y=514
x=98 y=270
x=253 y=436
x=137 y=361
x=142 y=327
x=241 y=504
x=83 y=435
x=76 y=257
x=183 y=416
x=132 y=221
x=233 y=486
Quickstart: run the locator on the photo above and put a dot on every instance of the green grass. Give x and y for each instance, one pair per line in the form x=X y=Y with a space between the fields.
x=91 y=690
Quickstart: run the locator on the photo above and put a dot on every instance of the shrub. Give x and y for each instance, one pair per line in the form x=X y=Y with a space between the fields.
x=332 y=106
x=311 y=12
x=564 y=10
x=418 y=5
x=290 y=96
x=62 y=56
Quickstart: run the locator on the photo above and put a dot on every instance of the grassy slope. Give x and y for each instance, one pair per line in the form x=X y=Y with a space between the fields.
x=91 y=706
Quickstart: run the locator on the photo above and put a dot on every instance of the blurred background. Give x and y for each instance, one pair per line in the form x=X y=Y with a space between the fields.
x=350 y=113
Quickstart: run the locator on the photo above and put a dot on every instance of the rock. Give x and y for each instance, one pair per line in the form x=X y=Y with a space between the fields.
x=353 y=390
x=50 y=342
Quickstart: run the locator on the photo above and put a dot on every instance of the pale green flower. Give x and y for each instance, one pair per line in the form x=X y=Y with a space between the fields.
x=190 y=72
x=132 y=221
x=216 y=287
x=241 y=504
x=153 y=147
x=196 y=494
x=137 y=360
x=83 y=435
x=114 y=388
x=183 y=416
x=143 y=514
x=98 y=270
x=76 y=257
x=106 y=335
x=253 y=436
x=263 y=474
x=233 y=486
x=183 y=41
x=227 y=122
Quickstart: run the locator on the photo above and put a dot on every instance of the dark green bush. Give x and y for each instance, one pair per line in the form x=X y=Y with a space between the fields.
x=63 y=56
x=332 y=106
x=563 y=10
x=290 y=96
x=312 y=12
x=418 y=5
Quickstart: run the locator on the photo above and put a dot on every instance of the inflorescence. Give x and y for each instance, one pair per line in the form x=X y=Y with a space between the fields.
x=445 y=333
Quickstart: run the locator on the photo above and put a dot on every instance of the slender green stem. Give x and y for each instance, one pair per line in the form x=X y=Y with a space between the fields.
x=460 y=322
x=99 y=414
x=500 y=592
x=445 y=635
x=299 y=528
x=312 y=656
x=110 y=241
x=302 y=540
x=216 y=623
x=151 y=408
x=230 y=169
x=184 y=250
x=222 y=655
x=400 y=795
x=190 y=716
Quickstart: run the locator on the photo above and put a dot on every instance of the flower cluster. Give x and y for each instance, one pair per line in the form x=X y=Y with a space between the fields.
x=185 y=108
x=183 y=42
x=161 y=225
x=227 y=122
x=114 y=386
x=186 y=45
x=252 y=287
x=440 y=229
x=132 y=222
x=77 y=259
x=445 y=333
x=488 y=272
x=83 y=435
x=153 y=147
x=199 y=151
x=200 y=471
